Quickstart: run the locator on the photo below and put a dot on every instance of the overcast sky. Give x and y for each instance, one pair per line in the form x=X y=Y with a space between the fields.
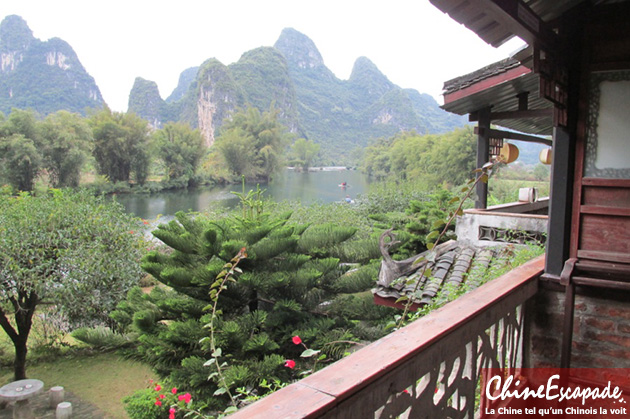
x=414 y=44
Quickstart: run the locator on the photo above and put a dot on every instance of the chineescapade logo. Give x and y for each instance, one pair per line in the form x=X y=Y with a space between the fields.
x=555 y=392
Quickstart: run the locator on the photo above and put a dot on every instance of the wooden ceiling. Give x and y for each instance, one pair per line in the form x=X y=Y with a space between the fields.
x=497 y=21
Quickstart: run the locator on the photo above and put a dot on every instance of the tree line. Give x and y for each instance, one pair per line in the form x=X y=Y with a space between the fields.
x=122 y=147
x=427 y=160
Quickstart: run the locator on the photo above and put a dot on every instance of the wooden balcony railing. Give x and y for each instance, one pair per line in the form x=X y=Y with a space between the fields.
x=428 y=369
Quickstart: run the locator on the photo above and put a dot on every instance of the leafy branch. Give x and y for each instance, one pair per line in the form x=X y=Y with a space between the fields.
x=219 y=285
x=436 y=235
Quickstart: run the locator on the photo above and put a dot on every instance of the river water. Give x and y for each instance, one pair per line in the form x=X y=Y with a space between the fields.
x=314 y=186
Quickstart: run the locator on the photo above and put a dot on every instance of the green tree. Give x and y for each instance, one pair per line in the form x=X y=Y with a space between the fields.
x=290 y=277
x=66 y=250
x=541 y=172
x=20 y=161
x=263 y=139
x=20 y=155
x=121 y=145
x=181 y=148
x=67 y=138
x=304 y=152
x=431 y=159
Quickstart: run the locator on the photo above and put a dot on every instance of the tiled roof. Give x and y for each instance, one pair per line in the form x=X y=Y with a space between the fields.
x=493 y=69
x=455 y=265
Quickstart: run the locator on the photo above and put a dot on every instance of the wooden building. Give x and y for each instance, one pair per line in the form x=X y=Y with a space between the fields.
x=570 y=307
x=572 y=82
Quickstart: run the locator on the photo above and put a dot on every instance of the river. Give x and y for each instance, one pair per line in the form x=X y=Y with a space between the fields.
x=314 y=186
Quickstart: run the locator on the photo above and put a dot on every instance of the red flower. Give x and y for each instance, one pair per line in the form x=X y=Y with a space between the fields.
x=158 y=403
x=145 y=222
x=158 y=387
x=289 y=363
x=185 y=398
x=131 y=232
x=162 y=396
x=174 y=390
x=171 y=413
x=296 y=340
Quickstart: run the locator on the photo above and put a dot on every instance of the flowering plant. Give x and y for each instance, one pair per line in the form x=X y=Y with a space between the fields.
x=158 y=402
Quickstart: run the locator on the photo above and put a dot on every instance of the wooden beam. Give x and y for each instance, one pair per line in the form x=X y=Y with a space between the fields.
x=521 y=20
x=523 y=101
x=483 y=151
x=527 y=114
x=509 y=135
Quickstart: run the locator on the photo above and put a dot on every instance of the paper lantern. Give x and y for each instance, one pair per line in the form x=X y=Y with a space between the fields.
x=508 y=153
x=545 y=156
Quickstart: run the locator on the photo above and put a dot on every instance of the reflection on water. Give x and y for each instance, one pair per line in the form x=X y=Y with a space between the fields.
x=319 y=186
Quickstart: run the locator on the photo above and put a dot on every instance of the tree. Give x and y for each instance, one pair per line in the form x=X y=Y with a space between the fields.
x=305 y=151
x=121 y=145
x=70 y=250
x=66 y=143
x=20 y=155
x=431 y=159
x=20 y=161
x=262 y=136
x=181 y=148
x=542 y=172
x=289 y=286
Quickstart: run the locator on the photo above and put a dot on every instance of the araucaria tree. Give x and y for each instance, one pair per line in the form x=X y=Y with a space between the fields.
x=121 y=145
x=253 y=144
x=70 y=251
x=291 y=284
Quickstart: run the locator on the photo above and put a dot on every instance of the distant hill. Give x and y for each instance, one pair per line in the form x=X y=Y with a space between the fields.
x=45 y=76
x=342 y=115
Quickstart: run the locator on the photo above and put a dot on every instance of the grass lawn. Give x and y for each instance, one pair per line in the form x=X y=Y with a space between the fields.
x=102 y=379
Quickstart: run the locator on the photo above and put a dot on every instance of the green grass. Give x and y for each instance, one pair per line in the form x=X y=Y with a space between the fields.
x=101 y=379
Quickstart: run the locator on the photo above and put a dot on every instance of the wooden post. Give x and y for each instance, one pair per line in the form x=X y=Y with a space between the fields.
x=483 y=150
x=559 y=225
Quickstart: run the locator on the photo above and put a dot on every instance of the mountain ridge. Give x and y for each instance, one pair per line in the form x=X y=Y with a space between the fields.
x=290 y=76
x=42 y=75
x=341 y=115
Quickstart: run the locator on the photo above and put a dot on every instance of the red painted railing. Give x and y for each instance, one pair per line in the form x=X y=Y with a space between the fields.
x=428 y=369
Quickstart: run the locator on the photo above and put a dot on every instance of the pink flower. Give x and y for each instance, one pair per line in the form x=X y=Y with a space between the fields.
x=185 y=398
x=296 y=340
x=158 y=387
x=171 y=413
x=162 y=396
x=158 y=403
x=174 y=390
x=289 y=363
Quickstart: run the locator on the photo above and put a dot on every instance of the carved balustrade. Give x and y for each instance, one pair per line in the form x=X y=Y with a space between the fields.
x=428 y=369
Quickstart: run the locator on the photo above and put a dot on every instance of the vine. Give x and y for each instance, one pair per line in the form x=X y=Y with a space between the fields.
x=436 y=235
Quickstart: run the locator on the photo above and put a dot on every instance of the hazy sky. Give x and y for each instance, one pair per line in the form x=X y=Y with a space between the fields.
x=410 y=41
